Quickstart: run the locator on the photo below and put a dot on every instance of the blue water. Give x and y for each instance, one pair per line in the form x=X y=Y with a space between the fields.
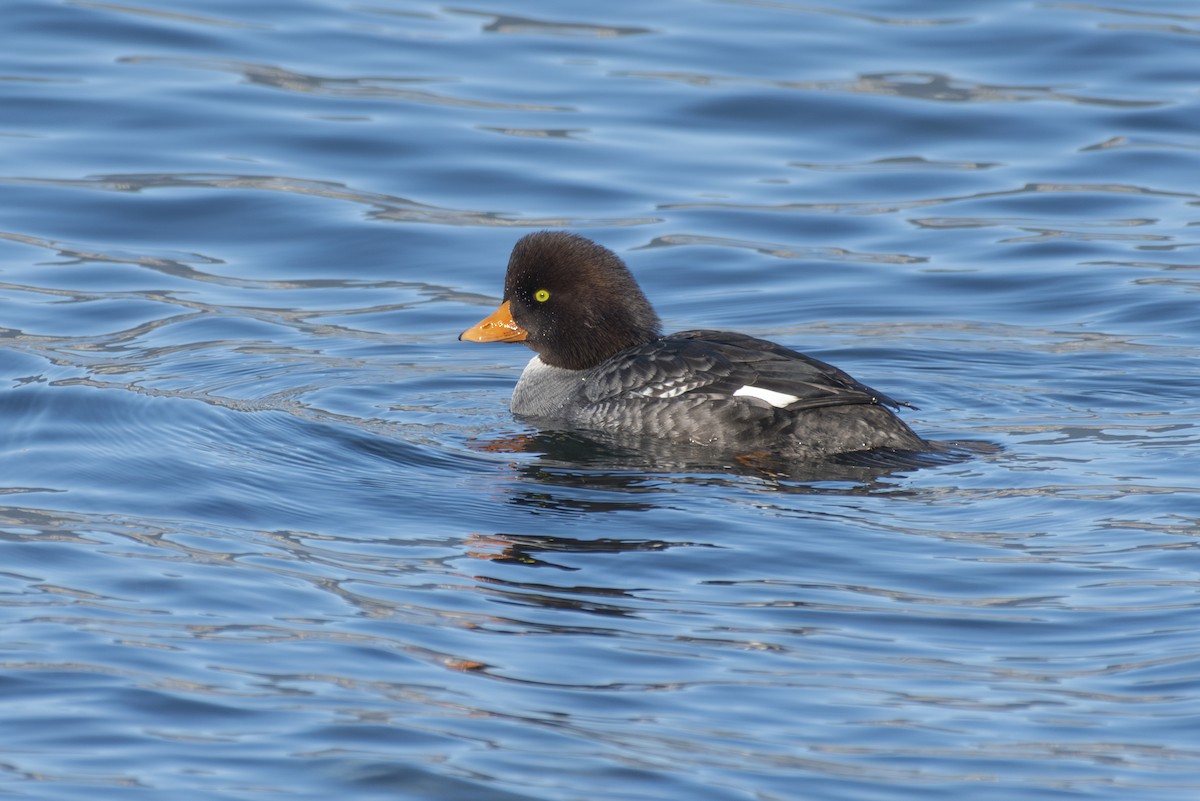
x=269 y=530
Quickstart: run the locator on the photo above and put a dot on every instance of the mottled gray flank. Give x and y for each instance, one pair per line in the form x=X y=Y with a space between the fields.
x=689 y=387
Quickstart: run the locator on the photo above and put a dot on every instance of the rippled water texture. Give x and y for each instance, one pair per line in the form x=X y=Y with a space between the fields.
x=268 y=529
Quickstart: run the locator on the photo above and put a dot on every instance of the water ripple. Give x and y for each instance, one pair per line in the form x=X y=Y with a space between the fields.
x=393 y=88
x=782 y=251
x=930 y=86
x=512 y=24
x=269 y=529
x=157 y=13
x=892 y=207
x=851 y=14
x=384 y=207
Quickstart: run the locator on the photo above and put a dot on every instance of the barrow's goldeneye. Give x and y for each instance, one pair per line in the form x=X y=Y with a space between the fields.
x=603 y=364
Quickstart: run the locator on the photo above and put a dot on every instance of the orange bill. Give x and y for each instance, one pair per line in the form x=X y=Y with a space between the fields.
x=497 y=327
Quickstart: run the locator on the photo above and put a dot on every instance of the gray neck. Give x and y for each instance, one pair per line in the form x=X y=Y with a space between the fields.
x=543 y=391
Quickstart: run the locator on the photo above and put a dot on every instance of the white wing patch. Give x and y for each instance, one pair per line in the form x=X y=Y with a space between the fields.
x=779 y=399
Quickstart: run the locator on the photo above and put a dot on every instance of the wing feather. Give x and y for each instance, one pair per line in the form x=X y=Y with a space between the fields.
x=719 y=364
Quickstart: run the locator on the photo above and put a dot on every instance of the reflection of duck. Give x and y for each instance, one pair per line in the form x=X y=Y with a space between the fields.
x=575 y=472
x=603 y=365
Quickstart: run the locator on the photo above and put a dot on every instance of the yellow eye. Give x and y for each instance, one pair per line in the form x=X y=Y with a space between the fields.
x=541 y=296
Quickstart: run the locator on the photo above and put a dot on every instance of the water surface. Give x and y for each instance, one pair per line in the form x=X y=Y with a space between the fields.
x=268 y=528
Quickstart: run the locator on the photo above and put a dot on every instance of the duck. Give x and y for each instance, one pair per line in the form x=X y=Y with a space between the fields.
x=602 y=364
